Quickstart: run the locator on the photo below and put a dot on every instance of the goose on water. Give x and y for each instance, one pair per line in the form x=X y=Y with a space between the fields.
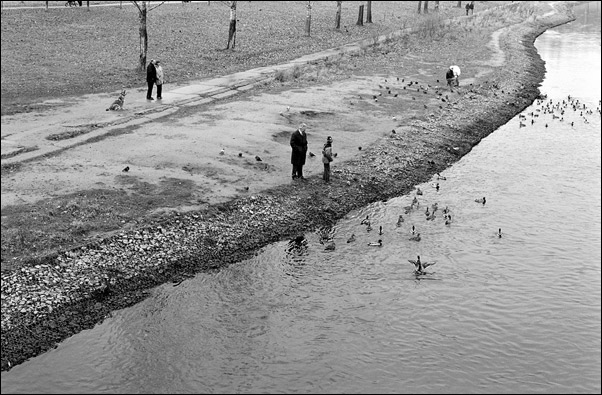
x=419 y=265
x=482 y=200
x=415 y=238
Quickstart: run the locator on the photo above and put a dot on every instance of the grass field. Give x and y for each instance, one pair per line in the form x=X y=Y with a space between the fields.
x=72 y=51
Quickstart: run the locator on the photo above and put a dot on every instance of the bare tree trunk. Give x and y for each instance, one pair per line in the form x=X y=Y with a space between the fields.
x=337 y=18
x=143 y=36
x=46 y=6
x=232 y=30
x=419 y=7
x=308 y=20
x=436 y=6
x=426 y=7
x=369 y=12
x=87 y=5
x=459 y=4
x=360 y=15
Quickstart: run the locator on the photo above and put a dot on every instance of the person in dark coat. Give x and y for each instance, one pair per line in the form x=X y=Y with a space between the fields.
x=151 y=78
x=299 y=146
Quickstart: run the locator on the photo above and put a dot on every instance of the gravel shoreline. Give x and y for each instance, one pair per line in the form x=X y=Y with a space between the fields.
x=45 y=304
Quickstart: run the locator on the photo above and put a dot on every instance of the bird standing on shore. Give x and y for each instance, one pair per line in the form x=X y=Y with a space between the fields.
x=400 y=220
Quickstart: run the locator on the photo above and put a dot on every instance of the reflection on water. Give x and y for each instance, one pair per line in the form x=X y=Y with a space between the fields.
x=520 y=313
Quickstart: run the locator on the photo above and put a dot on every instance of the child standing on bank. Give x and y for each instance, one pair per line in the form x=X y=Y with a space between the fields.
x=327 y=158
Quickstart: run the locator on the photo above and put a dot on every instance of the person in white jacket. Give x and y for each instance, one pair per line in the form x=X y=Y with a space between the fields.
x=160 y=78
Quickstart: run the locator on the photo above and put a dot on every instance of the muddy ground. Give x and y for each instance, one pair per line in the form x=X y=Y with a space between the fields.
x=232 y=204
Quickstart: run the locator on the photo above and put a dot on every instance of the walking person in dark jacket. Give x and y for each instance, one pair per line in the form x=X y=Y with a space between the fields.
x=299 y=146
x=151 y=78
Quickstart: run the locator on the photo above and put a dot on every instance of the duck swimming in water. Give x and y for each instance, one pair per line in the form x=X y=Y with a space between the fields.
x=380 y=230
x=418 y=191
x=365 y=221
x=330 y=246
x=415 y=238
x=499 y=233
x=351 y=238
x=369 y=227
x=481 y=200
x=419 y=266
x=378 y=243
x=413 y=230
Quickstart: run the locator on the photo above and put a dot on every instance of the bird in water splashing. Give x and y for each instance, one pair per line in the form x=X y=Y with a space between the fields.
x=419 y=266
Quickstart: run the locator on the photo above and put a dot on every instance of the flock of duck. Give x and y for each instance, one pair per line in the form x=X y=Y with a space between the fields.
x=557 y=110
x=430 y=213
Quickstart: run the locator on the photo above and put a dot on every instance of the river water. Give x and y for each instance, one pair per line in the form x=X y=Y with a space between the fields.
x=520 y=313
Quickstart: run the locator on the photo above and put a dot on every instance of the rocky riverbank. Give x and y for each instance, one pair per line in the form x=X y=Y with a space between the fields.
x=43 y=305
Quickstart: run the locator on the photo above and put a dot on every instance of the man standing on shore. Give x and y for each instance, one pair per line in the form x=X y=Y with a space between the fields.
x=299 y=146
x=151 y=77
